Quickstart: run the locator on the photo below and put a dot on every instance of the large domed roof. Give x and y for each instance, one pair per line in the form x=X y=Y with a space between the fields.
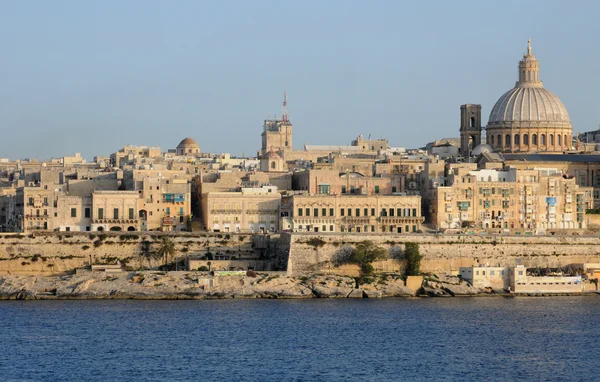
x=522 y=104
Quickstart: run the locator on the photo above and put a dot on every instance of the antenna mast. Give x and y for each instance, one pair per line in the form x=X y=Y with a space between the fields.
x=284 y=113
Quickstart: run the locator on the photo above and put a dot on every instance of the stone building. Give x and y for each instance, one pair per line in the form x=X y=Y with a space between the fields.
x=351 y=213
x=333 y=182
x=529 y=118
x=246 y=210
x=115 y=211
x=129 y=154
x=510 y=200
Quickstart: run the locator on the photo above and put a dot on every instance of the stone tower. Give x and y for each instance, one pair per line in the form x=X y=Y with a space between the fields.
x=277 y=133
x=470 y=128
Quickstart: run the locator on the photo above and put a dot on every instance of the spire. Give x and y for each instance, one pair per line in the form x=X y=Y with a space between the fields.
x=528 y=46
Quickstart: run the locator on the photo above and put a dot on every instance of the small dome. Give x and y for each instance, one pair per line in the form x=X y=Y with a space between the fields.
x=187 y=142
x=482 y=148
x=271 y=155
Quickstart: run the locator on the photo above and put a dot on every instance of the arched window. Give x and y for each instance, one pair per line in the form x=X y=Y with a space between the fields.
x=273 y=164
x=507 y=140
x=492 y=140
x=543 y=139
x=499 y=141
x=528 y=76
x=472 y=122
x=517 y=140
x=534 y=139
x=551 y=139
x=489 y=178
x=559 y=139
x=567 y=143
x=525 y=139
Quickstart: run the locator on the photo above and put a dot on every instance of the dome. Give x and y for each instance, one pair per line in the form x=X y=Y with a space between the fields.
x=482 y=148
x=271 y=155
x=529 y=118
x=187 y=142
x=524 y=104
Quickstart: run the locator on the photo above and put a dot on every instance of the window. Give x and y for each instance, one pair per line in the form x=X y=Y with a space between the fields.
x=372 y=211
x=349 y=211
x=331 y=212
x=307 y=210
x=100 y=213
x=315 y=212
x=393 y=188
x=132 y=214
x=383 y=212
x=366 y=212
x=343 y=189
x=341 y=212
x=167 y=211
x=73 y=212
x=323 y=212
x=87 y=212
x=331 y=228
x=115 y=213
x=391 y=212
x=377 y=189
x=398 y=211
x=300 y=211
x=45 y=201
x=357 y=212
x=414 y=212
x=324 y=189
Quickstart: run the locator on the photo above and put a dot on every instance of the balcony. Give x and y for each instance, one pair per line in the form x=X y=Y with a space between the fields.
x=115 y=221
x=225 y=212
x=37 y=217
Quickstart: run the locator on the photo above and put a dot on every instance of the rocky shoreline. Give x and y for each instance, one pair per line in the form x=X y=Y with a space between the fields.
x=202 y=285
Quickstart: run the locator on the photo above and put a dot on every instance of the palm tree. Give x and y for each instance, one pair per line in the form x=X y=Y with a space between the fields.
x=166 y=248
x=147 y=253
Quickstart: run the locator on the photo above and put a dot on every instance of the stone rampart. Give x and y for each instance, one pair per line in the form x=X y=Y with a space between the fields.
x=54 y=253
x=315 y=253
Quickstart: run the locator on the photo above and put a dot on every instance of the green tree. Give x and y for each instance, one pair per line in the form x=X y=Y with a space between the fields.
x=364 y=254
x=188 y=224
x=166 y=248
x=413 y=259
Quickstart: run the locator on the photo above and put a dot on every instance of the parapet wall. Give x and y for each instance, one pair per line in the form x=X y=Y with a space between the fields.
x=312 y=253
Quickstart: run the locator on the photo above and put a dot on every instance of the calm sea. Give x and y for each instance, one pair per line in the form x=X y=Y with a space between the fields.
x=449 y=339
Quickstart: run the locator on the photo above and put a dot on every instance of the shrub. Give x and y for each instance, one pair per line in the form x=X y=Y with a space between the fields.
x=97 y=243
x=85 y=247
x=203 y=268
x=316 y=242
x=413 y=259
x=128 y=237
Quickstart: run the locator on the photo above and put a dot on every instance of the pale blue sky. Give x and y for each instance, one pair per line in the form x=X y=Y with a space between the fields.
x=92 y=76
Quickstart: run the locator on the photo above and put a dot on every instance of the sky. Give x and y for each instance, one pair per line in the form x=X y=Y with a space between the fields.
x=93 y=76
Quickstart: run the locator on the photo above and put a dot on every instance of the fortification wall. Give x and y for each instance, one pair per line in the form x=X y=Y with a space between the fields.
x=314 y=253
x=55 y=253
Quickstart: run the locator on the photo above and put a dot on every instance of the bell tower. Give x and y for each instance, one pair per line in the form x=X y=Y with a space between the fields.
x=470 y=128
